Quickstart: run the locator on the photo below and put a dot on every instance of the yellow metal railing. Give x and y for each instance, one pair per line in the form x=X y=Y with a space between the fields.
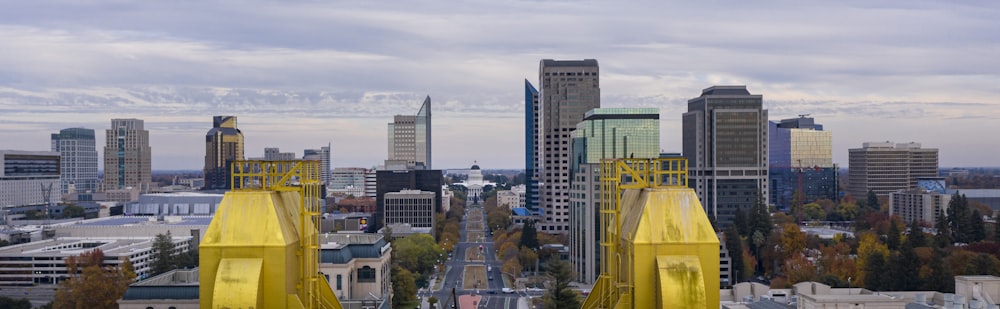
x=616 y=176
x=296 y=176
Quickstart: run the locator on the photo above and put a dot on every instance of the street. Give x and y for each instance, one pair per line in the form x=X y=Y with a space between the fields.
x=483 y=255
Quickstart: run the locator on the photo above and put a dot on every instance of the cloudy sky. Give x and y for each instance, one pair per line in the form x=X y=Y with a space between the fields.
x=300 y=74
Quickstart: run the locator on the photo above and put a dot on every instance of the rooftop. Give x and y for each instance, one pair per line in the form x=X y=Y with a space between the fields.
x=67 y=246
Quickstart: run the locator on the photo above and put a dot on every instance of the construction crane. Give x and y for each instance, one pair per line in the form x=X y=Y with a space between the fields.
x=261 y=249
x=658 y=248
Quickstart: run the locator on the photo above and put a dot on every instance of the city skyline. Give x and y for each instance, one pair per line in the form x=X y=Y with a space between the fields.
x=307 y=73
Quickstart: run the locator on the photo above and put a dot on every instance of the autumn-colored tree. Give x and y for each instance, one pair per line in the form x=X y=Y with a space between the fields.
x=867 y=245
x=837 y=261
x=793 y=242
x=512 y=267
x=527 y=256
x=91 y=284
x=799 y=269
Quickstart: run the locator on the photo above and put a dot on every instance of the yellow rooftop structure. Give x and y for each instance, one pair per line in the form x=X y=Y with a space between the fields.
x=261 y=249
x=659 y=249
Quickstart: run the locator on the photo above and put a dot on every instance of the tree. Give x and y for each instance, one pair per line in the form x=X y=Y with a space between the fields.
x=73 y=211
x=846 y=211
x=939 y=277
x=813 y=211
x=735 y=247
x=977 y=229
x=91 y=284
x=893 y=237
x=793 y=240
x=740 y=222
x=404 y=286
x=163 y=254
x=916 y=237
x=529 y=236
x=874 y=277
x=432 y=301
x=872 y=201
x=417 y=253
x=799 y=269
x=983 y=264
x=527 y=256
x=943 y=237
x=759 y=219
x=512 y=267
x=560 y=296
x=867 y=246
x=7 y=302
x=903 y=265
x=958 y=218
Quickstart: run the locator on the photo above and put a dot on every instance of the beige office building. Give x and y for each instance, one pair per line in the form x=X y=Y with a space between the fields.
x=127 y=155
x=413 y=207
x=569 y=89
x=884 y=167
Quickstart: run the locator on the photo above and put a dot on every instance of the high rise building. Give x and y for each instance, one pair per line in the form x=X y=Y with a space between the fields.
x=28 y=177
x=531 y=139
x=604 y=133
x=410 y=137
x=569 y=88
x=127 y=156
x=884 y=168
x=78 y=159
x=323 y=156
x=223 y=145
x=725 y=142
x=801 y=159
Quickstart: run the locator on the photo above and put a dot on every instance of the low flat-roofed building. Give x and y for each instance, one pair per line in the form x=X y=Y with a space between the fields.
x=42 y=262
x=175 y=204
x=988 y=197
x=135 y=226
x=176 y=289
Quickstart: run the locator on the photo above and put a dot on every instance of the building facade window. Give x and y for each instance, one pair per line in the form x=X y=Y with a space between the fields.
x=366 y=274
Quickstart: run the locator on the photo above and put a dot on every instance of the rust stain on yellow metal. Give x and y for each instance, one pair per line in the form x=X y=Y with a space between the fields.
x=658 y=243
x=262 y=249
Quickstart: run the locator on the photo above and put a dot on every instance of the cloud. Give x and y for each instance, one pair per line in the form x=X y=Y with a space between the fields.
x=344 y=68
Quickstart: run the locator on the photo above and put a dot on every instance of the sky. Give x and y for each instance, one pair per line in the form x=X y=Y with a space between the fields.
x=301 y=74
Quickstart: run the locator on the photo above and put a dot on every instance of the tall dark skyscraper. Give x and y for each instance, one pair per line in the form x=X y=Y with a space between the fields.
x=223 y=145
x=78 y=158
x=531 y=144
x=725 y=142
x=410 y=137
x=127 y=155
x=569 y=89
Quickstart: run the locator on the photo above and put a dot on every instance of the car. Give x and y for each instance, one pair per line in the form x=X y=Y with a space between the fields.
x=493 y=292
x=507 y=290
x=491 y=277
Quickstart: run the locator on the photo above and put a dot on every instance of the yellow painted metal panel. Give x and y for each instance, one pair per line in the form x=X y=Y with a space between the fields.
x=680 y=282
x=238 y=284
